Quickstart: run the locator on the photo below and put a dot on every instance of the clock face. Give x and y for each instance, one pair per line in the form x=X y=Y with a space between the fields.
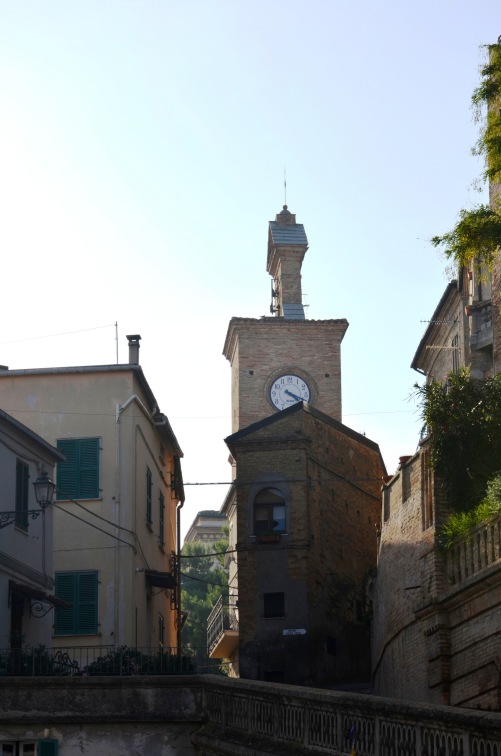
x=288 y=389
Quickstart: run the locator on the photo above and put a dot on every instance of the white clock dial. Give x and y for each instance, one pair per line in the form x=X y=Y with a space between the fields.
x=288 y=389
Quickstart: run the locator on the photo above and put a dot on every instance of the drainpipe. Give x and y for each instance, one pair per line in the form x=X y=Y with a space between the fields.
x=178 y=559
x=116 y=618
x=178 y=556
x=119 y=629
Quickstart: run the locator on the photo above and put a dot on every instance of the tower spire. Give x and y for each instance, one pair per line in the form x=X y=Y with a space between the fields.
x=287 y=245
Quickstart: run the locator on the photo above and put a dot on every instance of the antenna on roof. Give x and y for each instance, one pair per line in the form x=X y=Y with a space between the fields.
x=285 y=188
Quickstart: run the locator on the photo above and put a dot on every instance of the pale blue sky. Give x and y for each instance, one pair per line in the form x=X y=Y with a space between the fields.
x=142 y=151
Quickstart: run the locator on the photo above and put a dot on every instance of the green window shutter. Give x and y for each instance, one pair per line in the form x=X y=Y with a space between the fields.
x=22 y=480
x=80 y=590
x=67 y=472
x=87 y=603
x=78 y=476
x=65 y=619
x=89 y=468
x=47 y=747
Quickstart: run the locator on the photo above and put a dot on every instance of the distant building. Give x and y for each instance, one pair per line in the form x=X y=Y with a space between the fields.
x=118 y=488
x=26 y=564
x=207 y=527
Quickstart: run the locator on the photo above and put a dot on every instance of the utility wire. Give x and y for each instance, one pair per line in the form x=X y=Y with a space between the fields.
x=62 y=509
x=94 y=514
x=206 y=554
x=312 y=479
x=207 y=582
x=51 y=335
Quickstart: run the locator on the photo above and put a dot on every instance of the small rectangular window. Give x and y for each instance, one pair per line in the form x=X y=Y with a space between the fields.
x=386 y=503
x=25 y=748
x=149 y=491
x=427 y=513
x=22 y=480
x=78 y=475
x=80 y=590
x=274 y=605
x=406 y=482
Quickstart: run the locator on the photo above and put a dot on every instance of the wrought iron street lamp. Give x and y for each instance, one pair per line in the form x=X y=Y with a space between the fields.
x=44 y=490
x=44 y=493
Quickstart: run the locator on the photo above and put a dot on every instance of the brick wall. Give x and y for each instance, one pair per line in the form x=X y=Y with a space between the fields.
x=331 y=480
x=436 y=624
x=259 y=350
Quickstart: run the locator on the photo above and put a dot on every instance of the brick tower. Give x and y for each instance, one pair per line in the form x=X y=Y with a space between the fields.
x=279 y=360
x=305 y=496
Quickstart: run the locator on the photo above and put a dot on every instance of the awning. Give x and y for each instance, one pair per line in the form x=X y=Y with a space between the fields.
x=36 y=593
x=160 y=579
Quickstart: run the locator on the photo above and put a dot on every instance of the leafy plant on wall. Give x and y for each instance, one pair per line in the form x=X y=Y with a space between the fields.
x=475 y=238
x=463 y=419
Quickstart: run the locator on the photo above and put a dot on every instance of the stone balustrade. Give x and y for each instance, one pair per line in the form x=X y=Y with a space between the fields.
x=280 y=718
x=216 y=715
x=470 y=555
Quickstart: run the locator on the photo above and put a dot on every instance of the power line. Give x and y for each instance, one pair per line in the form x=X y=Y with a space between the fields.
x=94 y=514
x=52 y=335
x=208 y=553
x=62 y=509
x=207 y=582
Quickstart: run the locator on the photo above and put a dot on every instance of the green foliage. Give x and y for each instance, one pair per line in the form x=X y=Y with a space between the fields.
x=474 y=239
x=35 y=660
x=202 y=583
x=459 y=524
x=464 y=420
x=130 y=661
x=484 y=106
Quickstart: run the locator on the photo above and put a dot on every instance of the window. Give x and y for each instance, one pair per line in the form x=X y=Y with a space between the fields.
x=269 y=512
x=78 y=476
x=386 y=503
x=274 y=605
x=406 y=482
x=426 y=490
x=161 y=529
x=149 y=489
x=46 y=747
x=79 y=589
x=22 y=479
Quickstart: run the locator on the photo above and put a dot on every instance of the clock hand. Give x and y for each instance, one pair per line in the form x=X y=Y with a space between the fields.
x=294 y=396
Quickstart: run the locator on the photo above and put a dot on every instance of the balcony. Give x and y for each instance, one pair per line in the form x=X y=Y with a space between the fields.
x=481 y=331
x=222 y=631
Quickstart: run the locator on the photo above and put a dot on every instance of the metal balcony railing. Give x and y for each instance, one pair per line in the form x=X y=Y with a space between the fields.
x=86 y=661
x=222 y=618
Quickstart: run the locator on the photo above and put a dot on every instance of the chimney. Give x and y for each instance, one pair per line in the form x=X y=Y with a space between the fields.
x=134 y=349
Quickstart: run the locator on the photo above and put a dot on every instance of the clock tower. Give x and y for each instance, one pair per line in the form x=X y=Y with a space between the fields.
x=282 y=359
x=305 y=493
